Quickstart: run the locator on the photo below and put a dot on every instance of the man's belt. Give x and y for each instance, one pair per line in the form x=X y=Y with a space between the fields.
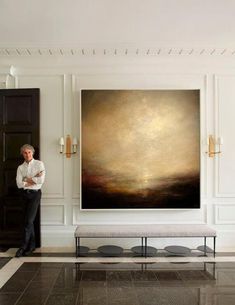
x=31 y=191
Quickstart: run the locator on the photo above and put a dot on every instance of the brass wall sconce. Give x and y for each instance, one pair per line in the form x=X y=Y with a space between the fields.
x=70 y=146
x=211 y=142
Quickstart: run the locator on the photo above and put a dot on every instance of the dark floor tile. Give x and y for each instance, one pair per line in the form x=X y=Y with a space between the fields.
x=29 y=267
x=181 y=295
x=9 y=299
x=192 y=275
x=225 y=299
x=50 y=254
x=68 y=279
x=47 y=275
x=72 y=265
x=111 y=284
x=23 y=276
x=125 y=301
x=225 y=277
x=65 y=284
x=18 y=282
x=167 y=275
x=38 y=287
x=37 y=254
x=92 y=296
x=118 y=293
x=151 y=290
x=61 y=254
x=62 y=299
x=143 y=275
x=4 y=261
x=200 y=284
x=33 y=298
x=118 y=275
x=14 y=286
x=230 y=276
x=52 y=265
x=94 y=275
x=174 y=284
x=93 y=284
x=143 y=284
x=152 y=296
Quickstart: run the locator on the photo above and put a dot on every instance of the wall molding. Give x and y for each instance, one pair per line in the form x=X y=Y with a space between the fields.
x=61 y=77
x=76 y=132
x=228 y=208
x=217 y=161
x=56 y=208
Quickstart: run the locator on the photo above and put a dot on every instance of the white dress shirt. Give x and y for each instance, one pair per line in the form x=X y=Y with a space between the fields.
x=30 y=170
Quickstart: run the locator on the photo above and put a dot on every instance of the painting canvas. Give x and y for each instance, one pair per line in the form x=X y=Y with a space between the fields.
x=140 y=149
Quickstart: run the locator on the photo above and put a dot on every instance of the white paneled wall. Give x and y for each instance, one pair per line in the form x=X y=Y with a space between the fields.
x=225 y=110
x=52 y=104
x=59 y=115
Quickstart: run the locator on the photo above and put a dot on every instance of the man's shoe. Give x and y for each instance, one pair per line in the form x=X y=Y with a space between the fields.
x=20 y=252
x=29 y=252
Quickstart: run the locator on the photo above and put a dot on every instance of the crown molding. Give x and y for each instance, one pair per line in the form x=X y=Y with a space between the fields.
x=119 y=51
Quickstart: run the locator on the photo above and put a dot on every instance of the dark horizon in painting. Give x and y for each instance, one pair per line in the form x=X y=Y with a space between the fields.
x=175 y=194
x=140 y=149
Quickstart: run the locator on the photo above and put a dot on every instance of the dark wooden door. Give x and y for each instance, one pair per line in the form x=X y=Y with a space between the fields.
x=19 y=124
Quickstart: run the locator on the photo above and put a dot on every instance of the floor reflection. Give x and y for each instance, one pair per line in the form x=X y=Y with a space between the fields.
x=129 y=284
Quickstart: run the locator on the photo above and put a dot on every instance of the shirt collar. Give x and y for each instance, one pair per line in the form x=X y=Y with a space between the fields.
x=30 y=162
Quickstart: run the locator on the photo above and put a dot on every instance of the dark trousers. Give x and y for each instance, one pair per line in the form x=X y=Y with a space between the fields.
x=31 y=202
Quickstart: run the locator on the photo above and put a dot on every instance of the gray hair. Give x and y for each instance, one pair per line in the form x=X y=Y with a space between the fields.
x=26 y=146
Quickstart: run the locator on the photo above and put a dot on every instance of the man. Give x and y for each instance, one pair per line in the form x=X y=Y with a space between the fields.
x=30 y=178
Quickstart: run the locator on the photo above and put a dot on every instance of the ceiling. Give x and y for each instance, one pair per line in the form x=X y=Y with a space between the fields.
x=91 y=27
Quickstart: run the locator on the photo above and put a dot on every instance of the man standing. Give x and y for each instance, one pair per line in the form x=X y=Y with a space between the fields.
x=30 y=178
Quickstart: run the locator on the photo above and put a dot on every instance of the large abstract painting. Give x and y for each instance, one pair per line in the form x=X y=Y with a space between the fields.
x=140 y=149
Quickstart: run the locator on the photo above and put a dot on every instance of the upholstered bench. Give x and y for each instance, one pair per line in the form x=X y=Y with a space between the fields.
x=144 y=232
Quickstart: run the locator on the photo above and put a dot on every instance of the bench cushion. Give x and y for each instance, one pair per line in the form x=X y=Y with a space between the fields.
x=150 y=230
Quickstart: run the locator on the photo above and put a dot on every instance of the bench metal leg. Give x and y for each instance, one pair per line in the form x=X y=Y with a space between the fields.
x=214 y=244
x=142 y=246
x=145 y=247
x=76 y=249
x=204 y=245
x=77 y=244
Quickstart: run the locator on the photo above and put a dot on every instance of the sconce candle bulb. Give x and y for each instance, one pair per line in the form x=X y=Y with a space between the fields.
x=220 y=141
x=61 y=142
x=75 y=143
x=70 y=146
x=211 y=142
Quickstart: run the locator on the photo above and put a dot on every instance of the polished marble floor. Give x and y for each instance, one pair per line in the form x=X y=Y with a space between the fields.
x=161 y=283
x=4 y=261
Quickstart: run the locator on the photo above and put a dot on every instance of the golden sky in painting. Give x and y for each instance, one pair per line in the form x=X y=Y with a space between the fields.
x=140 y=136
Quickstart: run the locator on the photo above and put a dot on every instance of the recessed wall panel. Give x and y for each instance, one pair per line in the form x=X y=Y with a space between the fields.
x=225 y=109
x=51 y=128
x=52 y=214
x=225 y=213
